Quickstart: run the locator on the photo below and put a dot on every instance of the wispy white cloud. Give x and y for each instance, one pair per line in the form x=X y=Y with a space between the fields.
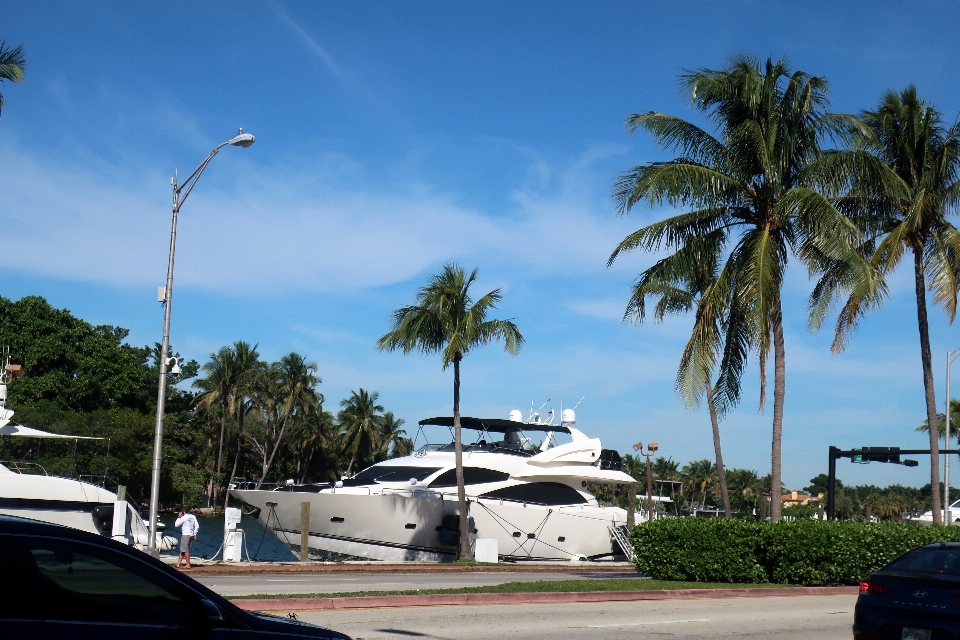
x=278 y=228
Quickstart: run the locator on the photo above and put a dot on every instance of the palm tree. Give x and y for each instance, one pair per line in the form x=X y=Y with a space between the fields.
x=216 y=390
x=750 y=205
x=248 y=368
x=447 y=321
x=699 y=475
x=942 y=423
x=12 y=63
x=681 y=292
x=635 y=466
x=291 y=387
x=905 y=186
x=746 y=485
x=359 y=417
x=317 y=430
x=665 y=468
x=390 y=434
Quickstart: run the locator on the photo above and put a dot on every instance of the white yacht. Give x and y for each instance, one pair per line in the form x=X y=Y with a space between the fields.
x=534 y=502
x=27 y=491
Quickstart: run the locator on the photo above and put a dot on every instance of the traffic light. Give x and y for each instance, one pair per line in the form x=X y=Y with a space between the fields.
x=881 y=454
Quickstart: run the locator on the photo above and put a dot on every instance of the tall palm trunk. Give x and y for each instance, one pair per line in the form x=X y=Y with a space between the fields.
x=215 y=484
x=779 y=390
x=721 y=472
x=466 y=553
x=926 y=360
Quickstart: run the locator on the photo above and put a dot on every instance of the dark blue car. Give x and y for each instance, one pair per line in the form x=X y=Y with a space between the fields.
x=915 y=597
x=60 y=583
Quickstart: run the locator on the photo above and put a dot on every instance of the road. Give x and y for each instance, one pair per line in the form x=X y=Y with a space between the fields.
x=285 y=583
x=786 y=618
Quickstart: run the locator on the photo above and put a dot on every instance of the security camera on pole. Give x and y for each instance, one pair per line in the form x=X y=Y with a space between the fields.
x=180 y=193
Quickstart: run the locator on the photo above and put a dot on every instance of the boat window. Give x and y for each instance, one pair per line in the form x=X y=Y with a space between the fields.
x=65 y=580
x=547 y=493
x=471 y=475
x=393 y=473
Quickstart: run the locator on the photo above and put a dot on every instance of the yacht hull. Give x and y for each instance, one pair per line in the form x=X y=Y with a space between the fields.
x=404 y=527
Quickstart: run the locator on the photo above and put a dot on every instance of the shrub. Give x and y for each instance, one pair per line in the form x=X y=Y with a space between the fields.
x=694 y=549
x=806 y=552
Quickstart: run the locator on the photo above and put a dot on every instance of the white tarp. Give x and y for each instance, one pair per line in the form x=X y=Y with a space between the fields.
x=19 y=430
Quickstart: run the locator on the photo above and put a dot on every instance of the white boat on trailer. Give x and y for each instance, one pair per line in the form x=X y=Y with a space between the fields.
x=534 y=503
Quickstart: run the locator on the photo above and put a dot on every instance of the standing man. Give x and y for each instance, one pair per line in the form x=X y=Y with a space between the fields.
x=189 y=527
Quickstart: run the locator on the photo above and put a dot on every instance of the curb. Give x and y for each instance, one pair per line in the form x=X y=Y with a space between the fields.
x=410 y=568
x=440 y=599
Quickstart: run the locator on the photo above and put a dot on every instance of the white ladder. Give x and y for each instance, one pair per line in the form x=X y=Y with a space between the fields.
x=619 y=533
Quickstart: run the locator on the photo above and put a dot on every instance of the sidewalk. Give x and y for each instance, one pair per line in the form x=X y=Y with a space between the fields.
x=206 y=566
x=275 y=605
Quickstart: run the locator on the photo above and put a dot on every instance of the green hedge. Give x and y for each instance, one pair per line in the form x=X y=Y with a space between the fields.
x=808 y=552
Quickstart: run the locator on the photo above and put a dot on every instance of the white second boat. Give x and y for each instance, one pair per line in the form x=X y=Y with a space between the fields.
x=535 y=504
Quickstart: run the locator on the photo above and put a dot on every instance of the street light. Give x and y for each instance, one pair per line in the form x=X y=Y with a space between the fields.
x=180 y=193
x=651 y=449
x=947 y=518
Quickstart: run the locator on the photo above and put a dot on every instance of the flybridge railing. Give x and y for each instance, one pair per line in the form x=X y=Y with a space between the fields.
x=25 y=468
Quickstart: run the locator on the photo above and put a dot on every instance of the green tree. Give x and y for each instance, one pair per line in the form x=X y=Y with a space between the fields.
x=317 y=431
x=745 y=487
x=285 y=389
x=942 y=422
x=665 y=468
x=359 y=418
x=699 y=475
x=446 y=320
x=749 y=202
x=390 y=435
x=72 y=363
x=820 y=484
x=12 y=62
x=904 y=187
x=217 y=389
x=248 y=369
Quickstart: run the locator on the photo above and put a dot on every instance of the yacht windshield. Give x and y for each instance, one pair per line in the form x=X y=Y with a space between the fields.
x=394 y=473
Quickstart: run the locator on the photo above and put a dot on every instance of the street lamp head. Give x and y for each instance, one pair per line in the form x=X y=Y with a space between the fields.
x=242 y=139
x=652 y=447
x=638 y=446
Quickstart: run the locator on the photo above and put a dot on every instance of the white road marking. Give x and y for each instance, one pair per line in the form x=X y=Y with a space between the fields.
x=636 y=624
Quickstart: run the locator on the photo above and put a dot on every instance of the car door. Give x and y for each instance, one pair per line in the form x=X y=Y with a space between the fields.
x=62 y=588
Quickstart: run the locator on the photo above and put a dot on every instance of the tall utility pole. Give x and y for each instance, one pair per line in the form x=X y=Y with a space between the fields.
x=180 y=193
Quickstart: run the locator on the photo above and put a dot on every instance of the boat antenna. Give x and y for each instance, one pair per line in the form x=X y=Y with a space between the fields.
x=578 y=404
x=537 y=412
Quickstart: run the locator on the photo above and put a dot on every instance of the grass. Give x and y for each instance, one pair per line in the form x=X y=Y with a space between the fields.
x=607 y=584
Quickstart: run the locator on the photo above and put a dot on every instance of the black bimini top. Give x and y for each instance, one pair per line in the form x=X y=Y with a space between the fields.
x=495 y=425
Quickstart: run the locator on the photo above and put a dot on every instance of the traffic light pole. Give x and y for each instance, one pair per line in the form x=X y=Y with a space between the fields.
x=836 y=453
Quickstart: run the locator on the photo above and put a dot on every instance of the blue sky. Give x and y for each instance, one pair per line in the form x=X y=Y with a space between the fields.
x=393 y=137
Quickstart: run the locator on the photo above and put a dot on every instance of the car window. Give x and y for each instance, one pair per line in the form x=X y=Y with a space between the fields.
x=927 y=561
x=83 y=582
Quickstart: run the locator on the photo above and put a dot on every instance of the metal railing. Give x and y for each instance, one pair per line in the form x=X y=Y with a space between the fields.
x=25 y=468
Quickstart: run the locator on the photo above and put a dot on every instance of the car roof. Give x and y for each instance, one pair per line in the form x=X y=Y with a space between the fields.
x=26 y=526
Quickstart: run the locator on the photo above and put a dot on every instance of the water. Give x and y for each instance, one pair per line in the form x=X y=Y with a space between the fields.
x=261 y=543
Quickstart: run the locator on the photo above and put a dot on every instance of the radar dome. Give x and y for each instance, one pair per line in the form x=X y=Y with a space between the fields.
x=516 y=416
x=568 y=416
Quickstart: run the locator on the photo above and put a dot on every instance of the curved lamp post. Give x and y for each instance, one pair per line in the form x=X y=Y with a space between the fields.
x=180 y=193
x=651 y=449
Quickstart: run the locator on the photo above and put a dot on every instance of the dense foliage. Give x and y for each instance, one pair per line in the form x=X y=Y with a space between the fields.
x=86 y=380
x=807 y=552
